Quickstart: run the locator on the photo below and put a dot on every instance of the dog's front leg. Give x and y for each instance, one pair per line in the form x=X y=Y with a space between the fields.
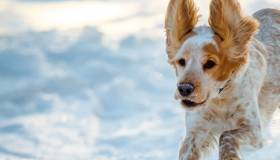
x=189 y=149
x=247 y=132
x=197 y=138
x=229 y=146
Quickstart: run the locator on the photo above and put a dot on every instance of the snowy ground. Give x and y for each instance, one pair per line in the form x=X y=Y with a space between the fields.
x=103 y=92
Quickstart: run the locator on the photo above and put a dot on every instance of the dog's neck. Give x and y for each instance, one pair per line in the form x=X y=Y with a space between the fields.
x=229 y=88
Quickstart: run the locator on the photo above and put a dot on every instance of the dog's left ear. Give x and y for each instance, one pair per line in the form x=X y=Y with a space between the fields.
x=233 y=28
x=180 y=19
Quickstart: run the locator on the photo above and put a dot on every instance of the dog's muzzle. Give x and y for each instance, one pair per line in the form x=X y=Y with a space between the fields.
x=191 y=104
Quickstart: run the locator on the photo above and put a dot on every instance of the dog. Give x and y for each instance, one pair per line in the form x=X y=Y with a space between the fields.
x=228 y=75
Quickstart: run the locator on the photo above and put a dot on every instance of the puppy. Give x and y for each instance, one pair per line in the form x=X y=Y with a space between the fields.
x=228 y=75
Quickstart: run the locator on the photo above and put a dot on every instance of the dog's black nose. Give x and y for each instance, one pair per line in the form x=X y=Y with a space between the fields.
x=185 y=89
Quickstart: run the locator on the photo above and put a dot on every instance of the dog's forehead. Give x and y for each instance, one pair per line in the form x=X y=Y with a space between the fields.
x=201 y=36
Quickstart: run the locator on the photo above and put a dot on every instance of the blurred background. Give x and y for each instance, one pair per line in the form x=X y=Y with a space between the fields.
x=89 y=80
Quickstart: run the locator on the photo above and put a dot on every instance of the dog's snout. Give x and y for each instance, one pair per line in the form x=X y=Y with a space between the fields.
x=185 y=89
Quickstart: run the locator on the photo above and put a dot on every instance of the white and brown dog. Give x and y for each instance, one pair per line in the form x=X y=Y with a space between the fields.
x=228 y=76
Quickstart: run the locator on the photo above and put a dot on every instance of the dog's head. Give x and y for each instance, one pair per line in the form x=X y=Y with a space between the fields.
x=207 y=58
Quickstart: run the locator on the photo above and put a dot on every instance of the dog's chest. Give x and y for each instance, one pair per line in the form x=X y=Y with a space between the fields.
x=225 y=117
x=217 y=118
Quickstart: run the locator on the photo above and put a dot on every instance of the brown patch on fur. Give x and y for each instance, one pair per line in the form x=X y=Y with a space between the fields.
x=223 y=101
x=220 y=101
x=181 y=18
x=208 y=117
x=213 y=114
x=233 y=33
x=225 y=64
x=210 y=48
x=242 y=123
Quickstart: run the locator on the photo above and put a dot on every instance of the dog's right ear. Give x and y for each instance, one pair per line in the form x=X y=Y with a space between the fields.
x=180 y=19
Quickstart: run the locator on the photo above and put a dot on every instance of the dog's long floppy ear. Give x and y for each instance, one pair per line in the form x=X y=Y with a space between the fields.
x=180 y=19
x=229 y=23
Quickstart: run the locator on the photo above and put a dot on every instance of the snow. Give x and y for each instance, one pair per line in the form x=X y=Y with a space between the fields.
x=89 y=93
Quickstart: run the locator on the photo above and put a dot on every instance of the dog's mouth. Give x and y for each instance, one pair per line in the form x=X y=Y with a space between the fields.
x=191 y=104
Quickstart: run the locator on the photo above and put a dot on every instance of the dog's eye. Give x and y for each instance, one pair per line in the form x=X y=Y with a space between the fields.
x=182 y=62
x=209 y=64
